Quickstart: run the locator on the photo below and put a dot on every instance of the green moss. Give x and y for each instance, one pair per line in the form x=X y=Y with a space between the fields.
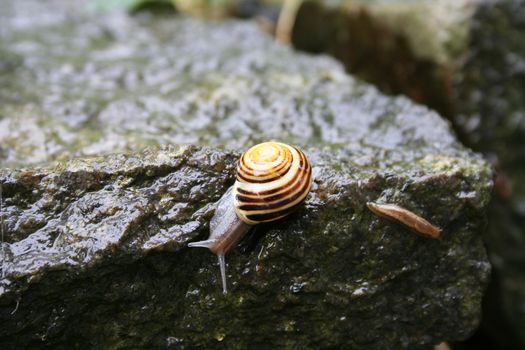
x=103 y=236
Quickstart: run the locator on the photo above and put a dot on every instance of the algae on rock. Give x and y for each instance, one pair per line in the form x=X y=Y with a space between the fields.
x=95 y=250
x=102 y=241
x=476 y=79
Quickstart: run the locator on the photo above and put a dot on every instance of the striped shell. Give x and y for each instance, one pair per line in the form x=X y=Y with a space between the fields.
x=272 y=180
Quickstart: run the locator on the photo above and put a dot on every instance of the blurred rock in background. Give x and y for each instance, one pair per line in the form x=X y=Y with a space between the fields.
x=489 y=101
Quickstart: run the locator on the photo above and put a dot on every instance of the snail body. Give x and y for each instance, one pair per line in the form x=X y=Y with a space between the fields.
x=272 y=180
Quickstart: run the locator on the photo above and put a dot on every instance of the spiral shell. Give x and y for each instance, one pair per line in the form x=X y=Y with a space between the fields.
x=272 y=179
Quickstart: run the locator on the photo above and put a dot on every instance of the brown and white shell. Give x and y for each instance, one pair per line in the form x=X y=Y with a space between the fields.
x=272 y=180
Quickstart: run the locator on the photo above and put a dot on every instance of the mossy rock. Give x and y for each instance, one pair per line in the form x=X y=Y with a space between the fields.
x=96 y=227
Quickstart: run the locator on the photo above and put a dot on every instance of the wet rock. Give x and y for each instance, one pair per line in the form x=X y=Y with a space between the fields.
x=95 y=254
x=95 y=248
x=466 y=60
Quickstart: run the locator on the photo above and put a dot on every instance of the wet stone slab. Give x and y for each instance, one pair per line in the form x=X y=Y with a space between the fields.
x=96 y=227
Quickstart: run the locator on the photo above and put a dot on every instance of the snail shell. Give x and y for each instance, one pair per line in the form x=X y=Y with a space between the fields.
x=273 y=179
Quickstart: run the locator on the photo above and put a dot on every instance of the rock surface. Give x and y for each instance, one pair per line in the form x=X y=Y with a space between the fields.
x=472 y=72
x=95 y=255
x=94 y=252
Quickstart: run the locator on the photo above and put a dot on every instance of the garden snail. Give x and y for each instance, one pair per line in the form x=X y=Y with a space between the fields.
x=272 y=180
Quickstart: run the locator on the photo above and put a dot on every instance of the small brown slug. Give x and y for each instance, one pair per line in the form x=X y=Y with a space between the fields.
x=405 y=217
x=272 y=180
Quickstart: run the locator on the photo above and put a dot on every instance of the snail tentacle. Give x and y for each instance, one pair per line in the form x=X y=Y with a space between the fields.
x=222 y=266
x=226 y=229
x=202 y=244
